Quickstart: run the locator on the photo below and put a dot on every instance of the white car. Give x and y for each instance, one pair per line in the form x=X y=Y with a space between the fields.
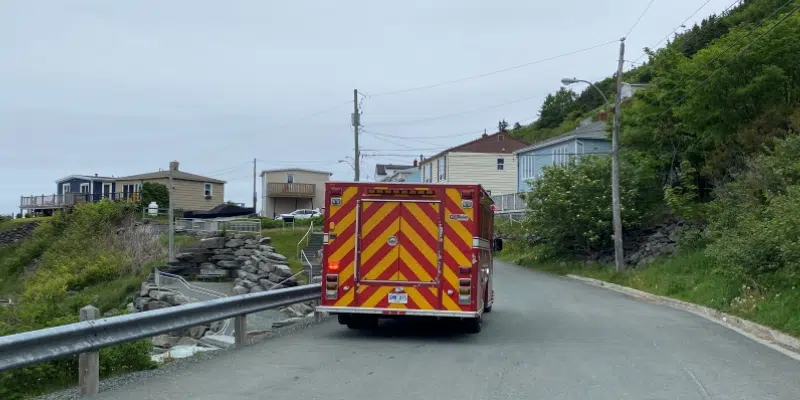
x=299 y=214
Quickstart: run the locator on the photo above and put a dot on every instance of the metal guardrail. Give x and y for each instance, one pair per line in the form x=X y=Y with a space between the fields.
x=88 y=337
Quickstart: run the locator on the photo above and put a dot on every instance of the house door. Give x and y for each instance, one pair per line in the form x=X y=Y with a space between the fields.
x=107 y=190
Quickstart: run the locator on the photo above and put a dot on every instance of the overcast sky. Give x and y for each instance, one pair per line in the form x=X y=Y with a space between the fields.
x=124 y=87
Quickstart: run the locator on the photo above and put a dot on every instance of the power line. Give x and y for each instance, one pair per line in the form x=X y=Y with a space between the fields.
x=434 y=85
x=640 y=18
x=698 y=70
x=449 y=136
x=683 y=24
x=442 y=116
x=691 y=92
x=296 y=120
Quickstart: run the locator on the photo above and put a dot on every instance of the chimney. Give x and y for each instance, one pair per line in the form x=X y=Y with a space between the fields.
x=415 y=162
x=484 y=134
x=173 y=165
x=602 y=116
x=95 y=174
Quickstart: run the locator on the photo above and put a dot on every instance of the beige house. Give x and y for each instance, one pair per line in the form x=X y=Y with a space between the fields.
x=488 y=160
x=190 y=192
x=288 y=189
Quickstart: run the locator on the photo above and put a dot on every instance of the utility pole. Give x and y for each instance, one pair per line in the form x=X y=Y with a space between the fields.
x=619 y=255
x=255 y=194
x=356 y=122
x=171 y=256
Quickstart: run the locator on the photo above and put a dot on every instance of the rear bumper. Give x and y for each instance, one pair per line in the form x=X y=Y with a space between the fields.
x=395 y=311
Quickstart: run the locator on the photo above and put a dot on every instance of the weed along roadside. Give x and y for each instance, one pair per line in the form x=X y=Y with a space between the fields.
x=101 y=255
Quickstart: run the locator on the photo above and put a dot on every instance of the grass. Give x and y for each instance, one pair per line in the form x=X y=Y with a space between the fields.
x=285 y=243
x=15 y=223
x=693 y=277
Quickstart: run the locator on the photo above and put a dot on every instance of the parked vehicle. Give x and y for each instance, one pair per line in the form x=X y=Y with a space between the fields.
x=299 y=214
x=398 y=250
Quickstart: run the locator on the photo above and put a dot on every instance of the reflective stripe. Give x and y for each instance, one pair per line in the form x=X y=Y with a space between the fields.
x=372 y=310
x=480 y=243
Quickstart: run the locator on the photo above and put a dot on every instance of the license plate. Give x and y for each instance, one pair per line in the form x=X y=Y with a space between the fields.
x=398 y=298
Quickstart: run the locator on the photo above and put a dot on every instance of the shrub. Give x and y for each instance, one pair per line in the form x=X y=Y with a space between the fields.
x=570 y=206
x=755 y=218
x=154 y=192
x=92 y=255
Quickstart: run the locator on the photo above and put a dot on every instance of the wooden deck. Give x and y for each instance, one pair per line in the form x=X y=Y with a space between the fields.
x=54 y=201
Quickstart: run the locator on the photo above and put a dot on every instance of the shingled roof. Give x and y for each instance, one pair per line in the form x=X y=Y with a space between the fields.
x=175 y=175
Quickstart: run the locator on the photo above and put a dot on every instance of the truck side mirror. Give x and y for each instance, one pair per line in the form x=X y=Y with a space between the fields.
x=498 y=244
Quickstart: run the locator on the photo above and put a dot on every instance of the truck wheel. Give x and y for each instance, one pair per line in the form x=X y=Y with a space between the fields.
x=474 y=325
x=362 y=322
x=487 y=306
x=343 y=319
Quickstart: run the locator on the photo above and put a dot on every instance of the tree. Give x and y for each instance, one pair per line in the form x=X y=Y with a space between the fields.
x=502 y=126
x=556 y=108
x=155 y=192
x=517 y=126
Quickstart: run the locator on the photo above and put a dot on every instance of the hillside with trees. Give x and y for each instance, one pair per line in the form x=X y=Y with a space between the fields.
x=713 y=141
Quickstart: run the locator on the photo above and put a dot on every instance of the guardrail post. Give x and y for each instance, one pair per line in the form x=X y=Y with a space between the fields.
x=89 y=362
x=240 y=330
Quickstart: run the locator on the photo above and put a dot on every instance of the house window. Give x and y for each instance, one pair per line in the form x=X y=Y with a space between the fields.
x=501 y=164
x=427 y=171
x=289 y=178
x=499 y=138
x=207 y=189
x=84 y=188
x=65 y=188
x=560 y=156
x=442 y=165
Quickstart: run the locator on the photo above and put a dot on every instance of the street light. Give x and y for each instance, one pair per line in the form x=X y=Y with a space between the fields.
x=570 y=81
x=619 y=250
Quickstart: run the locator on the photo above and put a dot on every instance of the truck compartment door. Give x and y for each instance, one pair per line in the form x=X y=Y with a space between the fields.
x=399 y=241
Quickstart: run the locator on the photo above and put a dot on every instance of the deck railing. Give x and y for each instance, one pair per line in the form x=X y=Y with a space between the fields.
x=70 y=199
x=511 y=202
x=291 y=189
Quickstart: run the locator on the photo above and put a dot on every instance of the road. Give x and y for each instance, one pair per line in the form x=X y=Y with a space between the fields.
x=259 y=321
x=547 y=338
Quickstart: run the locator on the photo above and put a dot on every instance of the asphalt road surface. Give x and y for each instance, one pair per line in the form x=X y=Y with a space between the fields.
x=546 y=338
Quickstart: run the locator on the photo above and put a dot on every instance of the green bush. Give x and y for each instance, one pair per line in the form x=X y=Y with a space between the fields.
x=78 y=261
x=268 y=223
x=570 y=206
x=755 y=218
x=154 y=192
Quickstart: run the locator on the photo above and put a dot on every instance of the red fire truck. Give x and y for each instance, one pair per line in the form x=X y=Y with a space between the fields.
x=407 y=249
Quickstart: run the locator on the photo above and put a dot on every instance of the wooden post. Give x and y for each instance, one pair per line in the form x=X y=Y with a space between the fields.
x=89 y=362
x=240 y=330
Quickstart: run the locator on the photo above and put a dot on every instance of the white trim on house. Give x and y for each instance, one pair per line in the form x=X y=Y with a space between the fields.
x=65 y=188
x=110 y=189
x=87 y=178
x=88 y=187
x=315 y=171
x=210 y=189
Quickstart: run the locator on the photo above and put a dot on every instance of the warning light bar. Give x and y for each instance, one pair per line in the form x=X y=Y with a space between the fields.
x=401 y=192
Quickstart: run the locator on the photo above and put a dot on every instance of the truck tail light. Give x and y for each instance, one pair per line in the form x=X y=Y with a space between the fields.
x=467 y=194
x=464 y=291
x=333 y=266
x=331 y=286
x=464 y=270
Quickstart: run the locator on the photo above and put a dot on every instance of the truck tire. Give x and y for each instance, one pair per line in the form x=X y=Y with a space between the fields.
x=362 y=322
x=343 y=319
x=487 y=306
x=473 y=325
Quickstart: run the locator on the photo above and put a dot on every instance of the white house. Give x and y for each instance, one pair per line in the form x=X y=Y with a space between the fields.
x=488 y=160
